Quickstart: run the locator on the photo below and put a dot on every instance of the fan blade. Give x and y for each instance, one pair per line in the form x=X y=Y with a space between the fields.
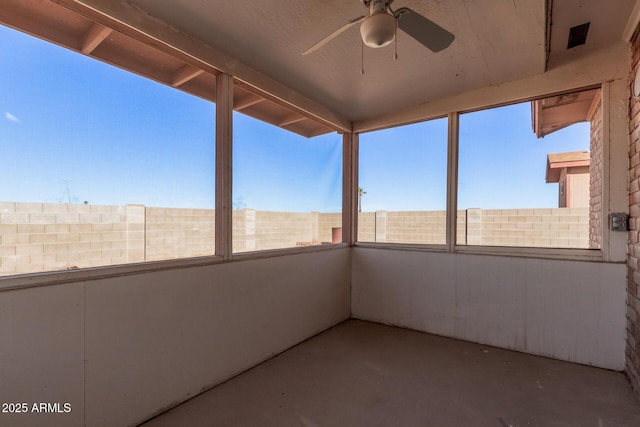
x=425 y=31
x=334 y=34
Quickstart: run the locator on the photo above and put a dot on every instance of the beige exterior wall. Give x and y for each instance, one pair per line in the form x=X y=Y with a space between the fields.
x=562 y=189
x=579 y=189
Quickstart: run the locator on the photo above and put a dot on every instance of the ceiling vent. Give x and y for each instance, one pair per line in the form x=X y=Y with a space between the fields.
x=578 y=35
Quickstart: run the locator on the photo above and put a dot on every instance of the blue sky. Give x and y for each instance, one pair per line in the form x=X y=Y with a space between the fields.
x=405 y=167
x=110 y=137
x=280 y=171
x=501 y=162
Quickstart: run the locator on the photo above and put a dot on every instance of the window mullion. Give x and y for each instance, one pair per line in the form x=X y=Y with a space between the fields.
x=452 y=180
x=224 y=155
x=350 y=187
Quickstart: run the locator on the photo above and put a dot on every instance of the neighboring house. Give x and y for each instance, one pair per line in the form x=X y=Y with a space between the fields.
x=571 y=171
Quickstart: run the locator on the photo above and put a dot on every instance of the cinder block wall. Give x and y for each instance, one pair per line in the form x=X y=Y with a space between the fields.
x=326 y=223
x=37 y=237
x=179 y=233
x=416 y=227
x=633 y=257
x=275 y=230
x=549 y=227
x=40 y=237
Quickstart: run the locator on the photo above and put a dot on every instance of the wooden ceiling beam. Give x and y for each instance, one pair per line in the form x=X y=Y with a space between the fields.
x=92 y=39
x=185 y=74
x=291 y=119
x=247 y=101
x=594 y=105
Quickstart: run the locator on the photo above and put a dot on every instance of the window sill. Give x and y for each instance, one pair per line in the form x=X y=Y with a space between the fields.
x=270 y=253
x=32 y=280
x=593 y=255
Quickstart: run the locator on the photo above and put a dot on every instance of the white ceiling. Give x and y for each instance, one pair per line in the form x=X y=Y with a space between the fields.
x=496 y=41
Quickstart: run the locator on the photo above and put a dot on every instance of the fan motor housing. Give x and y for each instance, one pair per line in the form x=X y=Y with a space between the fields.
x=378 y=30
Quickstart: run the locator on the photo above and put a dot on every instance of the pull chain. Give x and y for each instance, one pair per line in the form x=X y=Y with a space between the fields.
x=395 y=36
x=361 y=57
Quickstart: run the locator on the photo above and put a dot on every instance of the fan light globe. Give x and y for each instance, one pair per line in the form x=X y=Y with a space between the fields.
x=378 y=30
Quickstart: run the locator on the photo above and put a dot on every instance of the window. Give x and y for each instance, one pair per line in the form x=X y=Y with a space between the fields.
x=403 y=184
x=100 y=166
x=287 y=189
x=530 y=188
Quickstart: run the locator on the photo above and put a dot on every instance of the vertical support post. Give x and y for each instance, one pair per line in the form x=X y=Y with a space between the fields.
x=452 y=181
x=606 y=170
x=349 y=188
x=224 y=176
x=615 y=166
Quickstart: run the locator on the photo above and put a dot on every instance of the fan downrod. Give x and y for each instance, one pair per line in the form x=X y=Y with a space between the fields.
x=384 y=6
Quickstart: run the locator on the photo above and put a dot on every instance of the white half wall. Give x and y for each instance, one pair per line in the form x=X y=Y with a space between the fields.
x=152 y=340
x=568 y=310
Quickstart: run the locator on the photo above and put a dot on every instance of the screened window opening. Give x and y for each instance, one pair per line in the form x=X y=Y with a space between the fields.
x=287 y=188
x=402 y=192
x=528 y=174
x=100 y=166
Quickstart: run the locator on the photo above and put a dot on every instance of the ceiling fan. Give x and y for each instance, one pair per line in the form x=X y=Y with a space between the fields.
x=379 y=27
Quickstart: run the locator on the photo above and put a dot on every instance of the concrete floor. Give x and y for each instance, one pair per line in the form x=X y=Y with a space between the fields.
x=365 y=374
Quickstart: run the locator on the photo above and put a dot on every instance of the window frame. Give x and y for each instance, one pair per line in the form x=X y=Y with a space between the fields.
x=611 y=80
x=434 y=247
x=597 y=255
x=224 y=100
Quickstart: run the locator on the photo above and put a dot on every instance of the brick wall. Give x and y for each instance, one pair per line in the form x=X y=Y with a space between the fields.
x=595 y=178
x=633 y=263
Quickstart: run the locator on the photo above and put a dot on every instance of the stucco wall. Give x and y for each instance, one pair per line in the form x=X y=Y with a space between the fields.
x=579 y=184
